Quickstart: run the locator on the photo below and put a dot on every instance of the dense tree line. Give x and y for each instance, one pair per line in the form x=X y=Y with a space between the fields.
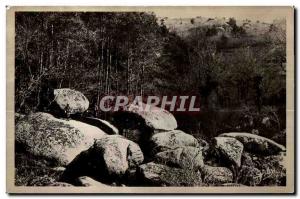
x=96 y=53
x=130 y=53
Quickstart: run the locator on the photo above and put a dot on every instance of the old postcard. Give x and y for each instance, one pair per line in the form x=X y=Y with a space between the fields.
x=150 y=100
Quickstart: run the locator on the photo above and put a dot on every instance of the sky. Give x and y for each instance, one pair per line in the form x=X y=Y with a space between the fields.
x=266 y=14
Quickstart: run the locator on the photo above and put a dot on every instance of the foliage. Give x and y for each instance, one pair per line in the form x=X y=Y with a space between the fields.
x=33 y=170
x=134 y=53
x=98 y=53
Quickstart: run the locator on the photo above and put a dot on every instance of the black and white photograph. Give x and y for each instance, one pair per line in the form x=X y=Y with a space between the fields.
x=150 y=99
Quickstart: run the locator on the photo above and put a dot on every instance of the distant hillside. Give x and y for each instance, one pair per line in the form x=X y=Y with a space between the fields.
x=253 y=28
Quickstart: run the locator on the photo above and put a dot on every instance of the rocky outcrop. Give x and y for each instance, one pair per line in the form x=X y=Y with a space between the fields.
x=216 y=175
x=256 y=144
x=62 y=140
x=70 y=101
x=169 y=158
x=109 y=157
x=137 y=116
x=230 y=149
x=184 y=157
x=161 y=175
x=171 y=140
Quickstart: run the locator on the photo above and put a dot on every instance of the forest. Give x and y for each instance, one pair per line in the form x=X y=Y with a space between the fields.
x=237 y=68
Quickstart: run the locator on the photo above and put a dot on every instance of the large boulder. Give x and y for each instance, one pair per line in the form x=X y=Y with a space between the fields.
x=70 y=101
x=256 y=144
x=61 y=140
x=152 y=174
x=216 y=175
x=184 y=157
x=119 y=153
x=138 y=116
x=230 y=149
x=171 y=140
x=109 y=158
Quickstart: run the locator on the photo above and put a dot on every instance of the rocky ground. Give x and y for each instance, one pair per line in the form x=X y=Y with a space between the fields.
x=137 y=148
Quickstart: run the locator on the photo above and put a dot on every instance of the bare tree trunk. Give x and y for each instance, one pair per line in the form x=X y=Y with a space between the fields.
x=100 y=71
x=116 y=73
x=98 y=81
x=41 y=63
x=38 y=99
x=52 y=49
x=109 y=73
x=128 y=70
x=127 y=73
x=101 y=67
x=142 y=81
x=107 y=68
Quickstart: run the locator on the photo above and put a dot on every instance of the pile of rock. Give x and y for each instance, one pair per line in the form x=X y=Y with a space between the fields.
x=247 y=154
x=150 y=150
